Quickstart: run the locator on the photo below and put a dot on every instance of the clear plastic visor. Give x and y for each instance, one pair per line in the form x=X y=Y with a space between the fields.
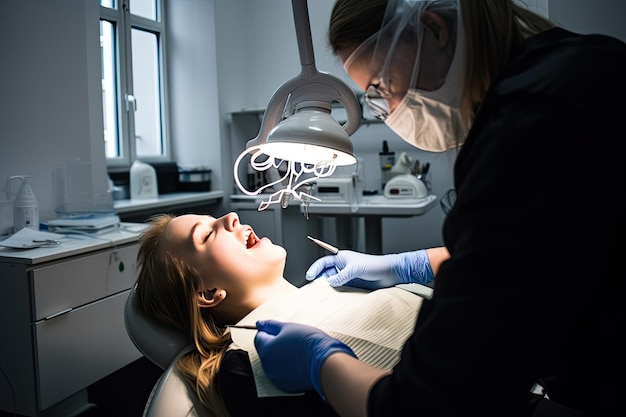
x=391 y=58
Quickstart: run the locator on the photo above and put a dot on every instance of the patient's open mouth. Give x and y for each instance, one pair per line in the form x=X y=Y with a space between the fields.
x=249 y=239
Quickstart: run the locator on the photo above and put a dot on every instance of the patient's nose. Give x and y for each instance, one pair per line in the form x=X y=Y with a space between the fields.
x=231 y=220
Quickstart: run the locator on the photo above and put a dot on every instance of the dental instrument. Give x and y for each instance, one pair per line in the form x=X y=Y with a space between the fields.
x=47 y=242
x=242 y=326
x=325 y=245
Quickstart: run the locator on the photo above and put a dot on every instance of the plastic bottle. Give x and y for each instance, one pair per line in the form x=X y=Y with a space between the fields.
x=143 y=181
x=387 y=160
x=25 y=207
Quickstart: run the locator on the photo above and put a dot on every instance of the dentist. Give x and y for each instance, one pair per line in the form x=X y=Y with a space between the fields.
x=528 y=290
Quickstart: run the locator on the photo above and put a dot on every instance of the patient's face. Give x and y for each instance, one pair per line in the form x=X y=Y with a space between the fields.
x=227 y=253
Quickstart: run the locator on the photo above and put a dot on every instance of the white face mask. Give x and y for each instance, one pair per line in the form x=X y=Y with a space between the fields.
x=427 y=123
x=431 y=120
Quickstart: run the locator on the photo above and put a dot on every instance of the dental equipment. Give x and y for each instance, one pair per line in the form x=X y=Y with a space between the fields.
x=298 y=131
x=47 y=242
x=325 y=245
x=242 y=326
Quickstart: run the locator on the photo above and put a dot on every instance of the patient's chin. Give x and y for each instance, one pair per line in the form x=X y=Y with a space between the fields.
x=282 y=255
x=277 y=248
x=277 y=254
x=285 y=255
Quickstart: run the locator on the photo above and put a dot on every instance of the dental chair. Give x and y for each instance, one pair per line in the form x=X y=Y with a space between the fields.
x=162 y=345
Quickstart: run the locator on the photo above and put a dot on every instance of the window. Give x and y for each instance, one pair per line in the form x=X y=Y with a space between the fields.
x=132 y=43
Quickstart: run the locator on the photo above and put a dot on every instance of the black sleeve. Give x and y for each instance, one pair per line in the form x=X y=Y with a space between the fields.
x=532 y=288
x=236 y=383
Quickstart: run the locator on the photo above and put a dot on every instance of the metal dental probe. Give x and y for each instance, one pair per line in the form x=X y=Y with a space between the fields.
x=325 y=245
x=242 y=326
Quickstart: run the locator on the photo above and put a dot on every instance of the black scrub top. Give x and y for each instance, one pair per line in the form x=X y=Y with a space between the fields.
x=533 y=289
x=236 y=383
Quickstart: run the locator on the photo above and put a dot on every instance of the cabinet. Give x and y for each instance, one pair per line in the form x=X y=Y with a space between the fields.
x=62 y=320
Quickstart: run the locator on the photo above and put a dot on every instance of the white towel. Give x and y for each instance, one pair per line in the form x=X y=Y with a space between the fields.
x=374 y=324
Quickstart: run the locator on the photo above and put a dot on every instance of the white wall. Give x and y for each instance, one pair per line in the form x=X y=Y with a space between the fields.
x=50 y=101
x=193 y=93
x=597 y=16
x=257 y=49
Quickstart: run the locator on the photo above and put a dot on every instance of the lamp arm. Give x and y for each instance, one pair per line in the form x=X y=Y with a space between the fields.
x=307 y=60
x=303 y=33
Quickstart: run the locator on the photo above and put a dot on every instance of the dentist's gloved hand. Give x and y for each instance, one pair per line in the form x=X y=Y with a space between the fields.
x=372 y=272
x=292 y=354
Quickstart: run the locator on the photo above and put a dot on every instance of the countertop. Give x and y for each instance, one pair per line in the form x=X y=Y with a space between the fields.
x=164 y=200
x=74 y=244
x=377 y=205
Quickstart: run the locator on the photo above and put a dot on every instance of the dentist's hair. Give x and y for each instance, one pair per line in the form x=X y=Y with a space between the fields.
x=493 y=29
x=167 y=291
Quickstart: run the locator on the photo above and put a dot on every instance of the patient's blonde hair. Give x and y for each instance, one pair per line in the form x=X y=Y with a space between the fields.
x=167 y=290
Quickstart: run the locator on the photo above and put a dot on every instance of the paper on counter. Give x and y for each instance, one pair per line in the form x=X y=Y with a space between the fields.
x=27 y=238
x=374 y=324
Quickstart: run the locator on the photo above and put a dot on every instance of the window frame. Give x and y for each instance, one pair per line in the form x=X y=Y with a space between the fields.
x=123 y=22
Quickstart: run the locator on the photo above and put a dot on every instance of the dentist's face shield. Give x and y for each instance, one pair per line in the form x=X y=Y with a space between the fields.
x=393 y=56
x=409 y=68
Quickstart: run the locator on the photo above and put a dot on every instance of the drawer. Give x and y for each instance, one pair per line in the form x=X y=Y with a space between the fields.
x=76 y=349
x=66 y=285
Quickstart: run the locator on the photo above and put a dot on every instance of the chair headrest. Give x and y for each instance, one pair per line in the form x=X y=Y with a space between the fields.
x=159 y=343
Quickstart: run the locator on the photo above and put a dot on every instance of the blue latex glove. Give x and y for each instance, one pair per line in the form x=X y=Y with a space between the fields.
x=292 y=354
x=372 y=272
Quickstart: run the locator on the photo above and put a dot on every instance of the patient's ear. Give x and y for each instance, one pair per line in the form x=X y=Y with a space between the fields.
x=211 y=298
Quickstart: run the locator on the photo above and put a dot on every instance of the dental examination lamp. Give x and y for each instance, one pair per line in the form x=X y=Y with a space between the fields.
x=297 y=131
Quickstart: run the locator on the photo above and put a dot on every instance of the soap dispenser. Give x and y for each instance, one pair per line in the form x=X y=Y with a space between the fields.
x=25 y=207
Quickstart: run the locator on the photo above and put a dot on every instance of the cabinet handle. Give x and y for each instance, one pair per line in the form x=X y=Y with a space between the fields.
x=67 y=310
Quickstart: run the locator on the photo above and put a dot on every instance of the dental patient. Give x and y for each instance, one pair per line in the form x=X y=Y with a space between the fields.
x=199 y=274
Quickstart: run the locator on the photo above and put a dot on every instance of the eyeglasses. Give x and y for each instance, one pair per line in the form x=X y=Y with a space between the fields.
x=376 y=96
x=447 y=201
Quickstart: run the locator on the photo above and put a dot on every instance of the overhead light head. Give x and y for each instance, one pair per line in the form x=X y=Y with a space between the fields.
x=309 y=136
